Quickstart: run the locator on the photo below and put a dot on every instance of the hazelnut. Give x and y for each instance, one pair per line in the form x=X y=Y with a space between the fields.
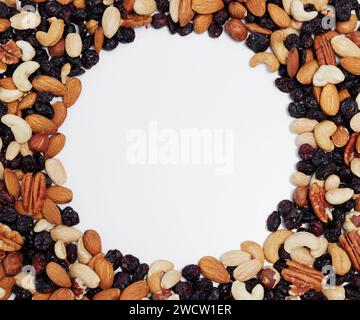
x=269 y=277
x=13 y=263
x=236 y=29
x=57 y=49
x=39 y=142
x=300 y=196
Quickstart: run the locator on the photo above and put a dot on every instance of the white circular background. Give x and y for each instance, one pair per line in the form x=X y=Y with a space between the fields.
x=177 y=212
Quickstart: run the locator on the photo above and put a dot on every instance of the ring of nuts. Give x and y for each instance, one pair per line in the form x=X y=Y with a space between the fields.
x=314 y=47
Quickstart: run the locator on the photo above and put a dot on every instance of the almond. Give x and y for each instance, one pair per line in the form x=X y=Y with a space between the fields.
x=56 y=144
x=279 y=16
x=4 y=25
x=58 y=275
x=51 y=212
x=6 y=285
x=344 y=94
x=12 y=183
x=237 y=10
x=186 y=13
x=37 y=296
x=73 y=90
x=39 y=123
x=351 y=64
x=48 y=84
x=213 y=270
x=108 y=294
x=98 y=39
x=207 y=6
x=292 y=62
x=7 y=83
x=104 y=269
x=27 y=101
x=62 y=294
x=202 y=23
x=59 y=194
x=92 y=242
x=341 y=137
x=253 y=27
x=307 y=71
x=60 y=113
x=256 y=7
x=39 y=142
x=355 y=37
x=329 y=100
x=136 y=291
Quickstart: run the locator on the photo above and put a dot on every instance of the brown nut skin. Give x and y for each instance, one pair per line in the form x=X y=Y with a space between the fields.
x=236 y=29
x=269 y=277
x=13 y=263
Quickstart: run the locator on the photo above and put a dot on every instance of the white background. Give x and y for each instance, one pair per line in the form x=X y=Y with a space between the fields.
x=177 y=212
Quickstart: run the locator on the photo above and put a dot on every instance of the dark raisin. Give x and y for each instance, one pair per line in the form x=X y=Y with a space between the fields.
x=129 y=263
x=257 y=42
x=24 y=224
x=215 y=30
x=115 y=257
x=43 y=241
x=191 y=272
x=69 y=216
x=322 y=261
x=71 y=252
x=306 y=151
x=20 y=293
x=121 y=280
x=140 y=272
x=273 y=221
x=184 y=290
x=8 y=214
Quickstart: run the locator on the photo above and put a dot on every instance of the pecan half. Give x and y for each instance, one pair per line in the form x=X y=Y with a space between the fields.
x=303 y=276
x=351 y=244
x=349 y=151
x=319 y=204
x=33 y=192
x=10 y=240
x=132 y=21
x=324 y=52
x=10 y=53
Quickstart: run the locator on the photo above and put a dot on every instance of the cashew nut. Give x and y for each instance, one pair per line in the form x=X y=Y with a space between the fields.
x=247 y=270
x=328 y=74
x=267 y=58
x=60 y=249
x=344 y=47
x=21 y=74
x=277 y=39
x=12 y=151
x=84 y=273
x=299 y=179
x=254 y=249
x=340 y=259
x=319 y=4
x=160 y=266
x=84 y=256
x=25 y=20
x=19 y=127
x=9 y=95
x=174 y=10
x=64 y=72
x=322 y=249
x=301 y=239
x=233 y=258
x=145 y=7
x=302 y=255
x=287 y=5
x=53 y=35
x=239 y=292
x=339 y=195
x=73 y=45
x=323 y=132
x=332 y=182
x=306 y=137
x=302 y=125
x=56 y=171
x=273 y=242
x=28 y=52
x=355 y=166
x=355 y=122
x=299 y=13
x=335 y=293
x=111 y=21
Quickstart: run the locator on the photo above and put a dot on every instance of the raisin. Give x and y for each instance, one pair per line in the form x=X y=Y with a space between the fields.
x=129 y=263
x=191 y=272
x=69 y=217
x=273 y=221
x=8 y=214
x=115 y=257
x=257 y=42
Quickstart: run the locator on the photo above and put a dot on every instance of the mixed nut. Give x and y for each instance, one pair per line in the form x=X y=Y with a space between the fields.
x=46 y=45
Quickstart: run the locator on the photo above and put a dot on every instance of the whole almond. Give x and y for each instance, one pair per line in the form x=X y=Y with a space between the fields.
x=39 y=123
x=292 y=62
x=256 y=7
x=92 y=242
x=59 y=194
x=236 y=29
x=56 y=144
x=329 y=100
x=98 y=39
x=307 y=71
x=60 y=113
x=58 y=275
x=341 y=137
x=237 y=10
x=7 y=83
x=12 y=183
x=207 y=6
x=253 y=27
x=104 y=269
x=62 y=294
x=279 y=16
x=39 y=142
x=108 y=294
x=48 y=84
x=51 y=212
x=6 y=285
x=136 y=291
x=186 y=13
x=351 y=64
x=213 y=270
x=354 y=37
x=202 y=23
x=4 y=24
x=27 y=101
x=73 y=90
